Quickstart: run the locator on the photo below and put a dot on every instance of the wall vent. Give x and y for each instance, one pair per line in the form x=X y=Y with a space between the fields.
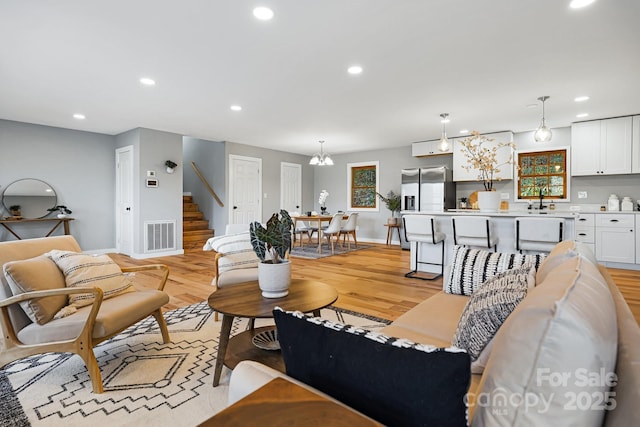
x=159 y=235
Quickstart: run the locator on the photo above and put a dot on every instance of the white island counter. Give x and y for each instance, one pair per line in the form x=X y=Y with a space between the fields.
x=503 y=227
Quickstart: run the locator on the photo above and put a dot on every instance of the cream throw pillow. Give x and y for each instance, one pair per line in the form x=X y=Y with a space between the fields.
x=237 y=250
x=36 y=274
x=82 y=270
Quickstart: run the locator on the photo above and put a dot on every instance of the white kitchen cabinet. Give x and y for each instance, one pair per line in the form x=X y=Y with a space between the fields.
x=601 y=147
x=616 y=238
x=502 y=155
x=585 y=230
x=428 y=148
x=635 y=149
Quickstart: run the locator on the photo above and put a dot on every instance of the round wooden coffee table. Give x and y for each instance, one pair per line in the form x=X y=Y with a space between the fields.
x=246 y=300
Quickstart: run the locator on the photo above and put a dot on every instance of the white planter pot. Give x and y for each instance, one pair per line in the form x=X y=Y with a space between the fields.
x=392 y=221
x=61 y=216
x=489 y=201
x=274 y=279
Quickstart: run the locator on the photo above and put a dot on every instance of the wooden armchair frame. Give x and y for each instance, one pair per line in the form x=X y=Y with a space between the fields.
x=83 y=344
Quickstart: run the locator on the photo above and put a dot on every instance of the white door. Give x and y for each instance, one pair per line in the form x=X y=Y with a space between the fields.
x=291 y=187
x=124 y=200
x=245 y=189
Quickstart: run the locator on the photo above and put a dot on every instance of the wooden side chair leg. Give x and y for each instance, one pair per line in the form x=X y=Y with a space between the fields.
x=162 y=324
x=90 y=361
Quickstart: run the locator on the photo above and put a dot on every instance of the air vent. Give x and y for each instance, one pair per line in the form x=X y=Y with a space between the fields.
x=159 y=235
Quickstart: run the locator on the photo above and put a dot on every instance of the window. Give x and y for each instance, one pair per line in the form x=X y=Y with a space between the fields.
x=362 y=186
x=543 y=171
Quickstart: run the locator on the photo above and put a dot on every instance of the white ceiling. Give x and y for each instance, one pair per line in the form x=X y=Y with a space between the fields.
x=481 y=61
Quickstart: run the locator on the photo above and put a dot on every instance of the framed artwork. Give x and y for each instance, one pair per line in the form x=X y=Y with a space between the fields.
x=362 y=186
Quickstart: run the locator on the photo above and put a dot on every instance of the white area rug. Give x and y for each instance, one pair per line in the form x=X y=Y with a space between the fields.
x=146 y=383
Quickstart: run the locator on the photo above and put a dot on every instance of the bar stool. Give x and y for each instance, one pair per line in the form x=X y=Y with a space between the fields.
x=474 y=231
x=538 y=234
x=422 y=229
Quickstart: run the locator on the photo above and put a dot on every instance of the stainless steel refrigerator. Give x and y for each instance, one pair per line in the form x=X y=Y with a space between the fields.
x=427 y=190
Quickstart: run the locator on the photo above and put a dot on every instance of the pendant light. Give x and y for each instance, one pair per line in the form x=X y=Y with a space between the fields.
x=321 y=158
x=543 y=133
x=444 y=142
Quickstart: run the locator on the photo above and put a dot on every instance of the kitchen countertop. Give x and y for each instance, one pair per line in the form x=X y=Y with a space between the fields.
x=517 y=213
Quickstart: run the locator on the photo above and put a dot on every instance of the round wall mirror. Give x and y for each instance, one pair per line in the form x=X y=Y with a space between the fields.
x=32 y=197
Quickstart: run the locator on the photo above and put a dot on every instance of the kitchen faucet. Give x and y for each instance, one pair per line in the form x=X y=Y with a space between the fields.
x=541 y=195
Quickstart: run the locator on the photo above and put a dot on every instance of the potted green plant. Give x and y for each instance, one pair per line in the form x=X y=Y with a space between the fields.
x=63 y=211
x=392 y=202
x=170 y=166
x=271 y=245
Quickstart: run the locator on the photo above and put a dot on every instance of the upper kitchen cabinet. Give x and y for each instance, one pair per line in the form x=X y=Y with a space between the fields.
x=601 y=147
x=503 y=154
x=635 y=150
x=428 y=148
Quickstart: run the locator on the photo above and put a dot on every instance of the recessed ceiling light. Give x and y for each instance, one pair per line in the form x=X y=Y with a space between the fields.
x=464 y=131
x=147 y=81
x=354 y=69
x=79 y=116
x=582 y=115
x=263 y=13
x=581 y=98
x=236 y=108
x=577 y=4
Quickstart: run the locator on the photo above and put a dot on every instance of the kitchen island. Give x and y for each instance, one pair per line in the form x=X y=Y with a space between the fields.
x=503 y=227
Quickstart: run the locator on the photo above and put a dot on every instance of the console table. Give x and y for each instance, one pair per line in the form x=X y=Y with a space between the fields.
x=6 y=223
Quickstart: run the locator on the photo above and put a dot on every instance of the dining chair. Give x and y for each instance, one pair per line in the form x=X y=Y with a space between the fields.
x=301 y=228
x=349 y=229
x=333 y=229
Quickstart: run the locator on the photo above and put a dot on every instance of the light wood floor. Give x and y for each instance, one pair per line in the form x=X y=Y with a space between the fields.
x=369 y=281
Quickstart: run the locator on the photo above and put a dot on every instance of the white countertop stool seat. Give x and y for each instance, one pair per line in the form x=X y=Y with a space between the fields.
x=538 y=234
x=422 y=229
x=474 y=231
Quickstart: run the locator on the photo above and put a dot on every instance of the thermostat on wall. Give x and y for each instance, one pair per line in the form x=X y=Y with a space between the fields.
x=152 y=182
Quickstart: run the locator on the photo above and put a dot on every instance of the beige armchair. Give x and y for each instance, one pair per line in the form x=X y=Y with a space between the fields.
x=81 y=331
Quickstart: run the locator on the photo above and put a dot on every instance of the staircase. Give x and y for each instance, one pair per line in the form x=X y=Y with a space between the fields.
x=195 y=229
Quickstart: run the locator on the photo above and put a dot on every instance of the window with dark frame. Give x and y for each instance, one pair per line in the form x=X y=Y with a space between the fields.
x=544 y=171
x=363 y=187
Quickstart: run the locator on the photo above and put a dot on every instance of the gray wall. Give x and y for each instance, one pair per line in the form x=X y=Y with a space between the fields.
x=271 y=160
x=210 y=159
x=80 y=168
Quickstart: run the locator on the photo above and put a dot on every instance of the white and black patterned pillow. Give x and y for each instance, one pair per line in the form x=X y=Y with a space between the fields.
x=472 y=267
x=394 y=381
x=489 y=306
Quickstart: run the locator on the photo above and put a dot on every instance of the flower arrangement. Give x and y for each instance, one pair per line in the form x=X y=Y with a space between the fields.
x=323 y=199
x=484 y=158
x=62 y=209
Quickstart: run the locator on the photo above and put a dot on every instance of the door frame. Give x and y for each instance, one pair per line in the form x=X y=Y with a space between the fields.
x=258 y=161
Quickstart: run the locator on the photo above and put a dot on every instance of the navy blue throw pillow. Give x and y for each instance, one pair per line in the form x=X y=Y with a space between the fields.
x=392 y=380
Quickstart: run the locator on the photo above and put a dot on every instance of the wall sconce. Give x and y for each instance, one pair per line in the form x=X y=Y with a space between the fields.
x=170 y=166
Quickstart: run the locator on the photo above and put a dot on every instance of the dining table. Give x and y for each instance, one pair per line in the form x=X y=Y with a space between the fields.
x=317 y=220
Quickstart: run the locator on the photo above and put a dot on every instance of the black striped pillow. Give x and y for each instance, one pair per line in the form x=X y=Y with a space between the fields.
x=471 y=267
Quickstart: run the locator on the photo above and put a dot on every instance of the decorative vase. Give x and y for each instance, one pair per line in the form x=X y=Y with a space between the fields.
x=61 y=215
x=274 y=279
x=323 y=209
x=489 y=201
x=392 y=220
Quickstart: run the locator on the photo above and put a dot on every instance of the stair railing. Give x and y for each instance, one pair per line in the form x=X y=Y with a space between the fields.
x=206 y=184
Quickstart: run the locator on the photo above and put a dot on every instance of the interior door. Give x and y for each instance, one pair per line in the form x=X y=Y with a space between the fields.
x=124 y=200
x=245 y=189
x=291 y=187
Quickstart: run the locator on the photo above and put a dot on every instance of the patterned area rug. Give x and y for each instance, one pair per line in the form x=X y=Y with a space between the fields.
x=146 y=383
x=311 y=250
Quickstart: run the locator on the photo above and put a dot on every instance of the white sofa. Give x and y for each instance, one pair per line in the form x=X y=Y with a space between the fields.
x=560 y=346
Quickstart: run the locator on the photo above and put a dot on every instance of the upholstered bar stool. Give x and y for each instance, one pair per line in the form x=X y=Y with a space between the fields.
x=422 y=229
x=538 y=234
x=474 y=231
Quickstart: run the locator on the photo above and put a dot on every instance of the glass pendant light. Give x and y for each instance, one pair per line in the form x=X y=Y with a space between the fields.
x=321 y=158
x=543 y=133
x=444 y=142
